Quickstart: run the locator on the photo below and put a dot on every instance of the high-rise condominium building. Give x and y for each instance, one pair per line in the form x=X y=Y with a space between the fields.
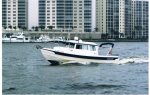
x=66 y=14
x=118 y=18
x=139 y=19
x=112 y=17
x=15 y=13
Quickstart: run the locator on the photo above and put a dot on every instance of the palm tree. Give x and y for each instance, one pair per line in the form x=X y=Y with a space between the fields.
x=121 y=35
x=96 y=29
x=138 y=28
x=112 y=33
x=42 y=27
x=33 y=27
x=24 y=28
x=5 y=27
x=72 y=27
x=36 y=28
x=20 y=27
x=10 y=26
x=50 y=27
x=15 y=27
x=133 y=34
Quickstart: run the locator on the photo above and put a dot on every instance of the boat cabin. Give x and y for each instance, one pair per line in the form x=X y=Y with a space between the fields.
x=79 y=48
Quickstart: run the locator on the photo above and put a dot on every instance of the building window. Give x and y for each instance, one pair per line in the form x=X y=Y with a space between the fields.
x=80 y=7
x=80 y=30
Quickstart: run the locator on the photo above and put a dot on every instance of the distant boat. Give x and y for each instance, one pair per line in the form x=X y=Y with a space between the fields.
x=79 y=51
x=58 y=39
x=17 y=37
x=44 y=38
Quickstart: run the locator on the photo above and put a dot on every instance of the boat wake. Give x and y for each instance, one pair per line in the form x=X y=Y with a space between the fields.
x=133 y=60
x=76 y=63
x=121 y=61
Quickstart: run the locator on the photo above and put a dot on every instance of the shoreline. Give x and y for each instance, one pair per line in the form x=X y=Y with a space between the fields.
x=93 y=37
x=117 y=40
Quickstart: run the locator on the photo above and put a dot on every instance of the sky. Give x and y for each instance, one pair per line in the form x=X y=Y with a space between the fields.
x=33 y=13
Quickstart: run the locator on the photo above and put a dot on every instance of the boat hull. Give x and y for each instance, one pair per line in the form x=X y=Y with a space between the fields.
x=55 y=57
x=13 y=40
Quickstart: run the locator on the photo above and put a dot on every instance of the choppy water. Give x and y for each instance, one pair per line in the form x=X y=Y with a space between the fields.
x=25 y=71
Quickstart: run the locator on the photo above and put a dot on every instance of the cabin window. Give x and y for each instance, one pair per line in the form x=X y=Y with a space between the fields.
x=19 y=38
x=83 y=47
x=92 y=48
x=70 y=45
x=78 y=46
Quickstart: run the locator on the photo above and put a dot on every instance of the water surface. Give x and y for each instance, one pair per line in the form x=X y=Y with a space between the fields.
x=26 y=71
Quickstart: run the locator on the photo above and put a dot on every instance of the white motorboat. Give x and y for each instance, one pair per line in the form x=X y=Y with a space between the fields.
x=44 y=38
x=58 y=39
x=18 y=37
x=78 y=51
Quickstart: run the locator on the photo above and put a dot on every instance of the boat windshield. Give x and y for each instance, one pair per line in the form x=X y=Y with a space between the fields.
x=70 y=45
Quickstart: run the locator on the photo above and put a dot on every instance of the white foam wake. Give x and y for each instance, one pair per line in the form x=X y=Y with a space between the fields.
x=133 y=60
x=121 y=61
x=75 y=62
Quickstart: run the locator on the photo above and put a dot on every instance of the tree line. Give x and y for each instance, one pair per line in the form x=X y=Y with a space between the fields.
x=36 y=28
x=115 y=34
